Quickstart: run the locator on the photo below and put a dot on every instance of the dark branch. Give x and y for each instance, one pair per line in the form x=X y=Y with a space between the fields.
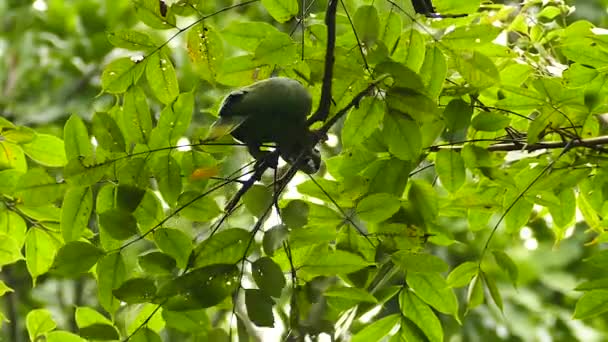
x=518 y=146
x=325 y=102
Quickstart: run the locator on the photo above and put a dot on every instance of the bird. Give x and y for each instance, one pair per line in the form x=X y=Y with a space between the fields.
x=272 y=110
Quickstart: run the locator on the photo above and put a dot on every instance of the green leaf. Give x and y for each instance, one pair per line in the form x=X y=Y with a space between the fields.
x=411 y=49
x=228 y=246
x=37 y=188
x=362 y=121
x=156 y=263
x=75 y=258
x=490 y=121
x=40 y=249
x=388 y=175
x=504 y=261
x=420 y=314
x=201 y=288
x=471 y=36
x=174 y=122
x=402 y=136
x=167 y=172
x=12 y=157
x=175 y=243
x=136 y=290
x=281 y=10
x=13 y=225
x=493 y=289
x=87 y=316
x=279 y=48
x=247 y=35
x=424 y=200
x=107 y=133
x=99 y=331
x=351 y=293
x=8 y=180
x=521 y=209
x=197 y=206
x=268 y=276
x=432 y=288
x=433 y=71
x=146 y=335
x=75 y=212
x=46 y=150
x=419 y=262
x=596 y=284
x=378 y=207
x=129 y=197
x=18 y=135
x=137 y=119
x=119 y=224
x=462 y=274
x=85 y=171
x=161 y=77
x=76 y=138
x=274 y=238
x=477 y=69
x=334 y=262
x=258 y=199
x=148 y=11
x=456 y=6
x=457 y=115
x=131 y=39
x=10 y=251
x=111 y=272
x=118 y=76
x=591 y=304
x=415 y=104
x=450 y=168
x=295 y=214
x=39 y=322
x=367 y=24
x=259 y=308
x=475 y=295
x=377 y=330
x=63 y=336
x=206 y=49
x=187 y=321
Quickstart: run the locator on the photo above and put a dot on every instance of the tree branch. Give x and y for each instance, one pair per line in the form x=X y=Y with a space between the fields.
x=325 y=101
x=518 y=146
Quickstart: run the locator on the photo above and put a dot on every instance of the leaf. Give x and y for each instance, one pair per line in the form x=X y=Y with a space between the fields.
x=268 y=276
x=450 y=168
x=187 y=321
x=433 y=71
x=12 y=157
x=420 y=314
x=136 y=290
x=111 y=272
x=156 y=263
x=504 y=261
x=351 y=293
x=462 y=274
x=161 y=77
x=228 y=246
x=258 y=199
x=206 y=49
x=167 y=172
x=424 y=200
x=432 y=288
x=175 y=243
x=10 y=251
x=471 y=36
x=294 y=214
x=274 y=238
x=201 y=288
x=87 y=316
x=118 y=76
x=75 y=258
x=40 y=249
x=475 y=294
x=456 y=6
x=247 y=35
x=137 y=119
x=591 y=304
x=367 y=24
x=174 y=122
x=457 y=115
x=402 y=137
x=130 y=39
x=129 y=197
x=46 y=150
x=490 y=121
x=107 y=133
x=259 y=308
x=84 y=171
x=334 y=262
x=13 y=225
x=149 y=12
x=63 y=336
x=75 y=212
x=197 y=206
x=362 y=121
x=415 y=104
x=281 y=10
x=37 y=188
x=377 y=330
x=477 y=69
x=76 y=138
x=99 y=331
x=39 y=322
x=378 y=207
x=119 y=224
x=279 y=48
x=493 y=289
x=411 y=49
x=521 y=209
x=419 y=262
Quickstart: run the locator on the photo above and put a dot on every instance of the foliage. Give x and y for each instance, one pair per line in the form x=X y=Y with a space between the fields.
x=462 y=193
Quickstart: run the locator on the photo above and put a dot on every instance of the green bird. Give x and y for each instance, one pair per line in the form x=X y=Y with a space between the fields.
x=273 y=110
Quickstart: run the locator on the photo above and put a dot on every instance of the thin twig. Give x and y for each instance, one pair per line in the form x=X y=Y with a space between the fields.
x=517 y=146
